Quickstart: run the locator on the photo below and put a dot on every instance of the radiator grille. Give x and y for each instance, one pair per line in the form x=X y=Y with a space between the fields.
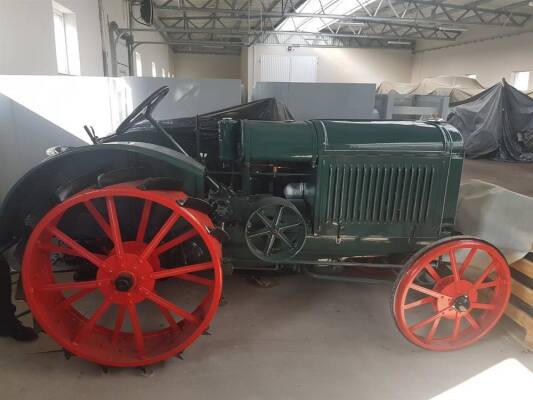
x=378 y=194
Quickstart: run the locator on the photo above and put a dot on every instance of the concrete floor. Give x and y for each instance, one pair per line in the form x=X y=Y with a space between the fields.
x=301 y=339
x=517 y=177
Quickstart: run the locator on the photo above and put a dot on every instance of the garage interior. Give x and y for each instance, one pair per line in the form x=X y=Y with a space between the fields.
x=71 y=73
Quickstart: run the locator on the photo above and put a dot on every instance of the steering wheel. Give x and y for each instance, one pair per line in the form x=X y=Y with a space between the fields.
x=143 y=110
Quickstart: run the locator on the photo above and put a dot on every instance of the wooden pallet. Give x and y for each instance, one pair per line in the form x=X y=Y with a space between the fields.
x=521 y=304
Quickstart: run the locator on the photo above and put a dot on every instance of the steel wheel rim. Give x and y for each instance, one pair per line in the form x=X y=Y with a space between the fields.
x=289 y=238
x=82 y=335
x=473 y=304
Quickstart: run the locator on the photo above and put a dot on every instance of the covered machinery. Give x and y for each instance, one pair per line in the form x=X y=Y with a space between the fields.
x=124 y=244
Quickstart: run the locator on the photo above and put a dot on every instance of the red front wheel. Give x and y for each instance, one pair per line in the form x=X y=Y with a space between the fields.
x=151 y=278
x=451 y=293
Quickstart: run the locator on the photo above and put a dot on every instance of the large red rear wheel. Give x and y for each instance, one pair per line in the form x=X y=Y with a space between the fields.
x=156 y=275
x=451 y=293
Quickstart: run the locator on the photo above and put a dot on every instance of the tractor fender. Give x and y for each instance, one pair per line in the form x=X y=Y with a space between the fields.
x=36 y=192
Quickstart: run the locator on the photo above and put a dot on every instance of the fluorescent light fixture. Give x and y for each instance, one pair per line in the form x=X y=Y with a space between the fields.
x=339 y=22
x=332 y=7
x=402 y=42
x=452 y=29
x=211 y=46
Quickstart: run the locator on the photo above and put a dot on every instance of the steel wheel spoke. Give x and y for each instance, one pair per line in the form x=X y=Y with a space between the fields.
x=176 y=271
x=121 y=313
x=143 y=223
x=176 y=241
x=196 y=279
x=75 y=297
x=472 y=321
x=456 y=327
x=417 y=303
x=137 y=331
x=170 y=306
x=98 y=218
x=73 y=285
x=467 y=261
x=284 y=239
x=115 y=227
x=290 y=226
x=259 y=233
x=484 y=275
x=79 y=249
x=486 y=285
x=429 y=320
x=277 y=220
x=484 y=306
x=453 y=266
x=431 y=271
x=50 y=248
x=167 y=226
x=171 y=321
x=433 y=329
x=270 y=244
x=263 y=218
x=429 y=292
x=89 y=325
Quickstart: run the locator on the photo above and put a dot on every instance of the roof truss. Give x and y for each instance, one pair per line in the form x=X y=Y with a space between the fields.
x=224 y=26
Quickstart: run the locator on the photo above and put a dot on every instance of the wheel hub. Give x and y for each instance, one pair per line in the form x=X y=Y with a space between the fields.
x=459 y=296
x=124 y=282
x=461 y=303
x=129 y=277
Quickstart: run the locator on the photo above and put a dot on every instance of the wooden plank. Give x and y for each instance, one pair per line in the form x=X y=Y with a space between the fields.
x=524 y=266
x=521 y=291
x=519 y=316
x=524 y=320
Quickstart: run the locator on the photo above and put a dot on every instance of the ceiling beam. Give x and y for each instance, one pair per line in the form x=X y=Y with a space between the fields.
x=248 y=33
x=516 y=19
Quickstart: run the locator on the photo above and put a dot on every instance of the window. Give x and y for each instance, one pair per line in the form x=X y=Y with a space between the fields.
x=154 y=70
x=66 y=39
x=521 y=80
x=138 y=64
x=471 y=76
x=163 y=73
x=337 y=7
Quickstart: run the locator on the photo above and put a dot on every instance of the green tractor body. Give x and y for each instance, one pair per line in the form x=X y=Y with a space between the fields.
x=364 y=187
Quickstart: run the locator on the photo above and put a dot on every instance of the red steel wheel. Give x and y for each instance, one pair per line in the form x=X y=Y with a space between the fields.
x=141 y=306
x=451 y=293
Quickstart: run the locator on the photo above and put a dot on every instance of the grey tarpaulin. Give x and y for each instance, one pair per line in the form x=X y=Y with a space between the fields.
x=497 y=123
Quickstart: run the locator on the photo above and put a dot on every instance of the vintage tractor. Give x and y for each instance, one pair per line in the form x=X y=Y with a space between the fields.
x=124 y=243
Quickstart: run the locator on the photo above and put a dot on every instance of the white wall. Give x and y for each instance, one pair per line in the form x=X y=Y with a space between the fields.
x=28 y=46
x=204 y=66
x=117 y=11
x=244 y=72
x=342 y=65
x=27 y=37
x=490 y=59
x=32 y=120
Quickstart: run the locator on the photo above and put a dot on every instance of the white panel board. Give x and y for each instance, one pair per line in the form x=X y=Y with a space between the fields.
x=275 y=68
x=321 y=100
x=303 y=69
